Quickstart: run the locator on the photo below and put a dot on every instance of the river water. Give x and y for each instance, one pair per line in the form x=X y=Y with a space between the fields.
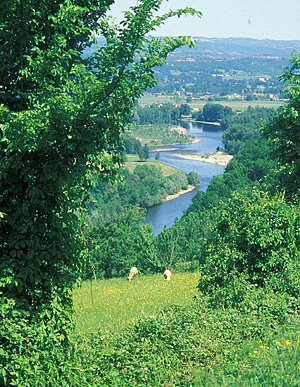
x=166 y=213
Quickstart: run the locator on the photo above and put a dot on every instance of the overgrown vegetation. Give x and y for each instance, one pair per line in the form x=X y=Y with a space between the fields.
x=61 y=121
x=160 y=113
x=61 y=118
x=244 y=127
x=144 y=187
x=117 y=237
x=113 y=304
x=162 y=134
x=224 y=346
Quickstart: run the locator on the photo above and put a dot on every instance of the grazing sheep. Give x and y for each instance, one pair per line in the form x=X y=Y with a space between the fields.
x=167 y=274
x=133 y=272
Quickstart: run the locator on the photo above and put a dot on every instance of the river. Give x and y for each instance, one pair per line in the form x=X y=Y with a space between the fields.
x=164 y=214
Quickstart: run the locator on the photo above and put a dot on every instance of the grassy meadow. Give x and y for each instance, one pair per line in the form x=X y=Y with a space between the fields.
x=197 y=103
x=160 y=134
x=152 y=332
x=113 y=304
x=133 y=161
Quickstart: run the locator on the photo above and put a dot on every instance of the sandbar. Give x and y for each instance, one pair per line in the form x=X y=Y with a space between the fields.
x=179 y=193
x=218 y=158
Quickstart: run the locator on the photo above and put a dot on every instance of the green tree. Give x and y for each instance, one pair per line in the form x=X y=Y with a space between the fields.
x=185 y=109
x=214 y=112
x=284 y=135
x=29 y=28
x=60 y=123
x=143 y=153
x=252 y=241
x=126 y=242
x=131 y=145
x=243 y=127
x=193 y=178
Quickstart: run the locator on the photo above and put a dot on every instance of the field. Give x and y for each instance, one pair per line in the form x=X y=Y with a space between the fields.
x=115 y=303
x=197 y=103
x=133 y=161
x=188 y=344
x=160 y=134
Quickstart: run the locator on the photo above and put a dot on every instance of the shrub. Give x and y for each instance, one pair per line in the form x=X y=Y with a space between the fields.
x=165 y=349
x=252 y=242
x=270 y=361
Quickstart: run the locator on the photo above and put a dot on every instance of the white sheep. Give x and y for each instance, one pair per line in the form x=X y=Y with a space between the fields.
x=167 y=274
x=133 y=272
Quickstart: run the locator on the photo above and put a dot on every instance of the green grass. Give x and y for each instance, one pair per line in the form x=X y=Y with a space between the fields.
x=133 y=161
x=196 y=103
x=160 y=134
x=188 y=345
x=111 y=305
x=148 y=99
x=272 y=361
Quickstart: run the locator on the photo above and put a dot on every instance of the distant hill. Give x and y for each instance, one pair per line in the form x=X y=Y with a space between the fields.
x=247 y=46
x=230 y=68
x=233 y=47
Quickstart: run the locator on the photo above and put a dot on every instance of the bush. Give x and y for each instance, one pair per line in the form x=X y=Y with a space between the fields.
x=252 y=242
x=33 y=353
x=187 y=266
x=165 y=349
x=193 y=178
x=127 y=242
x=272 y=361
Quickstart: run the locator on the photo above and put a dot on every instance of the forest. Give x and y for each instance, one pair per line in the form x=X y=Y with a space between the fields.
x=71 y=215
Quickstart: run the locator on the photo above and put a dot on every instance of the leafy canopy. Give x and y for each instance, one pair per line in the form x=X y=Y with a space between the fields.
x=61 y=117
x=284 y=134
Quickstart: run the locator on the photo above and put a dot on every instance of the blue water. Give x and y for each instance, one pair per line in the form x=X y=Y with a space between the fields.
x=164 y=214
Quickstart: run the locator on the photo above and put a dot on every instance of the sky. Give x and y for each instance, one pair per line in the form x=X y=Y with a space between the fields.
x=259 y=19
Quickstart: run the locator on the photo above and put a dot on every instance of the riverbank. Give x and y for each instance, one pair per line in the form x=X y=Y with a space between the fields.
x=218 y=158
x=181 y=192
x=133 y=161
x=155 y=135
x=183 y=131
x=194 y=140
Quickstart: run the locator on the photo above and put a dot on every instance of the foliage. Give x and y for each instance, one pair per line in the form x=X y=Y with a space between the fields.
x=116 y=247
x=165 y=348
x=254 y=159
x=251 y=242
x=193 y=178
x=271 y=361
x=143 y=153
x=46 y=36
x=159 y=135
x=243 y=127
x=163 y=113
x=213 y=112
x=283 y=132
x=131 y=144
x=249 y=168
x=185 y=110
x=117 y=238
x=60 y=123
x=32 y=354
x=114 y=304
x=145 y=187
x=155 y=114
